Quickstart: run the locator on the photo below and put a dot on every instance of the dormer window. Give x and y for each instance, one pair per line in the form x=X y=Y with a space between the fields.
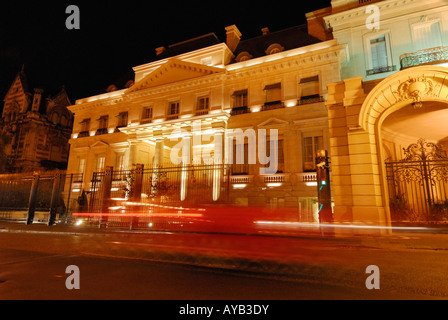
x=243 y=56
x=274 y=48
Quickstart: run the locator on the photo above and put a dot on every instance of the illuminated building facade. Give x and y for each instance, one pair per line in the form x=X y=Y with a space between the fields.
x=394 y=93
x=277 y=81
x=38 y=128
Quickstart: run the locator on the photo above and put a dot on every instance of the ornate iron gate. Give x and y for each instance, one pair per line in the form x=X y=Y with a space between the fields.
x=418 y=184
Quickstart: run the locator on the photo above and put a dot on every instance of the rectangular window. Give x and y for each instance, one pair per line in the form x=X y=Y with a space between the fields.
x=85 y=128
x=273 y=97
x=240 y=99
x=122 y=120
x=103 y=122
x=379 y=54
x=273 y=93
x=240 y=164
x=100 y=162
x=147 y=115
x=120 y=166
x=82 y=166
x=378 y=49
x=240 y=103
x=173 y=110
x=280 y=156
x=203 y=105
x=311 y=145
x=426 y=35
x=309 y=88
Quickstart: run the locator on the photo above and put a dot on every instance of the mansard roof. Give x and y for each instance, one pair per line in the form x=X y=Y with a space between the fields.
x=197 y=43
x=291 y=38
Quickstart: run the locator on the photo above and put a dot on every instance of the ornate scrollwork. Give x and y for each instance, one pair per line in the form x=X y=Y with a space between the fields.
x=423 y=150
x=416 y=89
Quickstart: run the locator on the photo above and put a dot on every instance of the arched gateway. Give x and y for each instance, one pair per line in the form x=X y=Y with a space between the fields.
x=370 y=124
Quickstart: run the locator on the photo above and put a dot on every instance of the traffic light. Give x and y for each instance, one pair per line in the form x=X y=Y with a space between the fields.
x=324 y=188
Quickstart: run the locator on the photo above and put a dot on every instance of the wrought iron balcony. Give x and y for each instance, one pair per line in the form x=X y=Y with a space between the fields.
x=201 y=113
x=381 y=70
x=101 y=131
x=84 y=134
x=310 y=100
x=272 y=105
x=431 y=56
x=240 y=110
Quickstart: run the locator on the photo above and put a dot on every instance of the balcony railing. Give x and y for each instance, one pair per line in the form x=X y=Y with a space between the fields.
x=201 y=112
x=381 y=70
x=172 y=117
x=84 y=134
x=240 y=110
x=431 y=56
x=101 y=131
x=272 y=105
x=310 y=100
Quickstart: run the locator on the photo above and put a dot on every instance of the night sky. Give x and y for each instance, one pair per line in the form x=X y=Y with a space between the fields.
x=118 y=35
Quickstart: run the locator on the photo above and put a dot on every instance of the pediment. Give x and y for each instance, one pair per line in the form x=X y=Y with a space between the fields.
x=172 y=71
x=273 y=123
x=99 y=144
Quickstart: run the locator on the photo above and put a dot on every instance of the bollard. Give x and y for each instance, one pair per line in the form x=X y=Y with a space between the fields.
x=33 y=197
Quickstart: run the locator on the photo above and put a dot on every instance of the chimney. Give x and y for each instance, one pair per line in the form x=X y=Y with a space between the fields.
x=36 y=100
x=160 y=50
x=233 y=37
x=265 y=31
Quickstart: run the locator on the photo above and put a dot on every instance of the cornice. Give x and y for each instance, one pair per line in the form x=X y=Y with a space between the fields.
x=322 y=53
x=313 y=58
x=389 y=9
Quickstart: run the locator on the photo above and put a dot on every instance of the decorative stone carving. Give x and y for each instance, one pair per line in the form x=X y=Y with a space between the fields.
x=415 y=89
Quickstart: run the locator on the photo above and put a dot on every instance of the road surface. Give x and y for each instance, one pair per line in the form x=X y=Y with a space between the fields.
x=117 y=265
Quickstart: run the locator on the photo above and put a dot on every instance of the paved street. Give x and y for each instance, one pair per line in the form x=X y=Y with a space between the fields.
x=117 y=264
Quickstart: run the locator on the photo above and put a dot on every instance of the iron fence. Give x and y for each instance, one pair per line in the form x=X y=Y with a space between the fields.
x=124 y=198
x=40 y=195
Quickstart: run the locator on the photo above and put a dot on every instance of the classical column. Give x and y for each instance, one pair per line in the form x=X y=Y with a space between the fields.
x=158 y=162
x=185 y=163
x=218 y=164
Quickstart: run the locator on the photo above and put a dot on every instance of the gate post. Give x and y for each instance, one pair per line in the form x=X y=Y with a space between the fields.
x=33 y=197
x=54 y=199
x=136 y=188
x=107 y=185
